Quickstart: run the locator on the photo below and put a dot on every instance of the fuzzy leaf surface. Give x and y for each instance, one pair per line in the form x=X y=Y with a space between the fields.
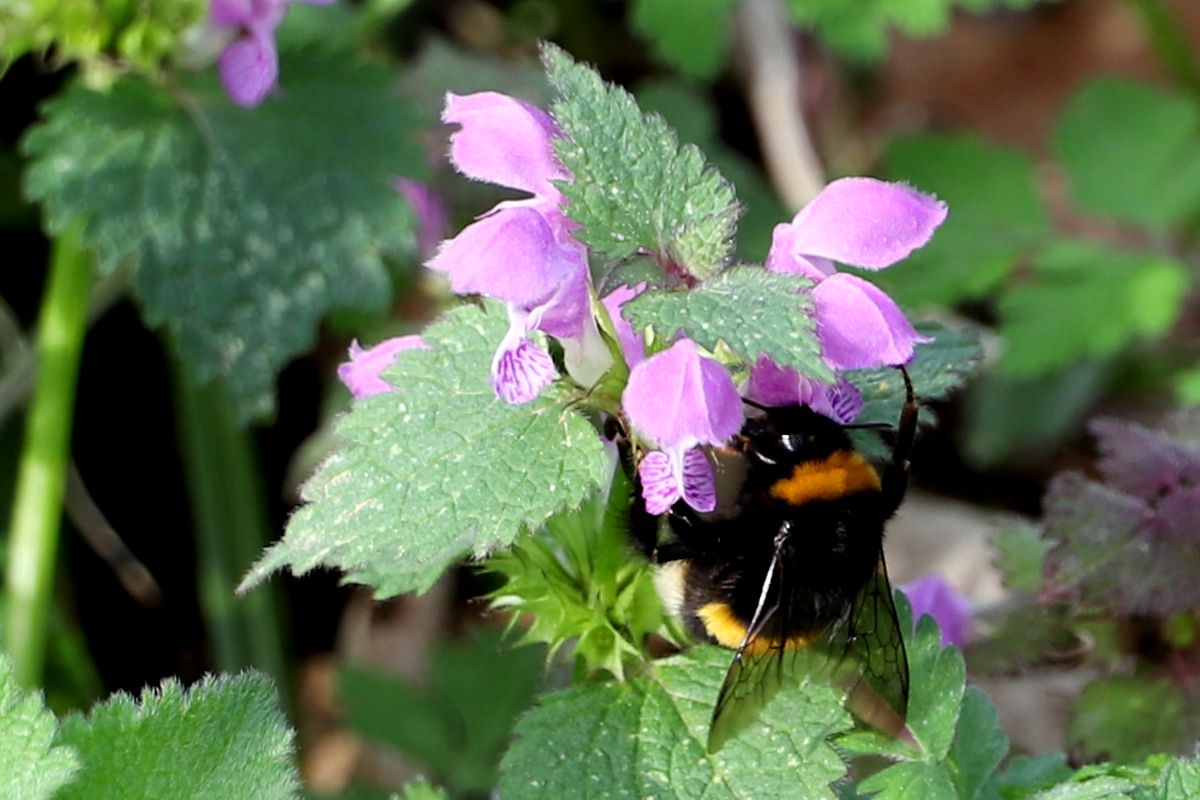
x=224 y=737
x=938 y=368
x=979 y=745
x=635 y=187
x=32 y=765
x=647 y=738
x=1127 y=719
x=439 y=468
x=751 y=310
x=247 y=227
x=1131 y=153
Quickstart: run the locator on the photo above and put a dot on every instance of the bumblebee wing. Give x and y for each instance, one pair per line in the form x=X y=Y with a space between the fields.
x=760 y=666
x=874 y=669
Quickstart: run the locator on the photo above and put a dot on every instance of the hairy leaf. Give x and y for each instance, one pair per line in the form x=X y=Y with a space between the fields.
x=939 y=367
x=1181 y=780
x=1020 y=555
x=979 y=746
x=647 y=738
x=753 y=311
x=1087 y=301
x=635 y=187
x=996 y=217
x=246 y=226
x=1131 y=546
x=32 y=765
x=439 y=468
x=910 y=780
x=1131 y=152
x=224 y=737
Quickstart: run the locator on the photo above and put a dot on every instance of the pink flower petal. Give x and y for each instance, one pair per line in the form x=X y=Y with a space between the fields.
x=862 y=222
x=249 y=67
x=660 y=488
x=699 y=486
x=361 y=373
x=231 y=13
x=861 y=327
x=521 y=370
x=783 y=256
x=565 y=312
x=429 y=211
x=503 y=141
x=511 y=255
x=631 y=342
x=680 y=399
x=773 y=385
x=951 y=609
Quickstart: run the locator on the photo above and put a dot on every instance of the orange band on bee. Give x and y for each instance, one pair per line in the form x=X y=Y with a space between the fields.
x=729 y=631
x=842 y=473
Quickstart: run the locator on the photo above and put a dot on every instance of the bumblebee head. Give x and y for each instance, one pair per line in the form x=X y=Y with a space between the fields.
x=789 y=435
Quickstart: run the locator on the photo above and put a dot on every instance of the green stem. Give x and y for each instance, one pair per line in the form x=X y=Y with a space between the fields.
x=231 y=520
x=42 y=472
x=1169 y=42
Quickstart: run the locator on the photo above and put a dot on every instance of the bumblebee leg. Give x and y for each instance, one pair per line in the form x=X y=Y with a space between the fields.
x=895 y=475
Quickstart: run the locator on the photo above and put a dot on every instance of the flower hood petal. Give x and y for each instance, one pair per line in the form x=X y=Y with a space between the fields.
x=859 y=326
x=512 y=255
x=679 y=399
x=503 y=141
x=862 y=222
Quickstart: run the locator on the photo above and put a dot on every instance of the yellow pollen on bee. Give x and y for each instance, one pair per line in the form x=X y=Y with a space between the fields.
x=842 y=473
x=729 y=631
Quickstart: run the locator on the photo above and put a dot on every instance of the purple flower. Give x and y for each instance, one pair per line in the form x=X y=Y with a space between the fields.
x=951 y=609
x=864 y=223
x=429 y=211
x=630 y=340
x=249 y=64
x=361 y=372
x=679 y=399
x=522 y=251
x=773 y=385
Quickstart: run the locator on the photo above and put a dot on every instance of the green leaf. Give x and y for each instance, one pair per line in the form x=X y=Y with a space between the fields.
x=1131 y=152
x=690 y=35
x=460 y=726
x=1104 y=787
x=635 y=187
x=938 y=679
x=910 y=780
x=647 y=739
x=979 y=745
x=1126 y=719
x=1021 y=420
x=1181 y=780
x=224 y=737
x=32 y=766
x=246 y=226
x=1087 y=300
x=1020 y=556
x=421 y=789
x=938 y=368
x=693 y=115
x=996 y=217
x=439 y=468
x=753 y=311
x=1024 y=776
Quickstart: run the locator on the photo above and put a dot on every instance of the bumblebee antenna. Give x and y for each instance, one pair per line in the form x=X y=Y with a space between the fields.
x=755 y=404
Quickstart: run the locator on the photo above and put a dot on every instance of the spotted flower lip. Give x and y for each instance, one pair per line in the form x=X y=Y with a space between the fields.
x=864 y=223
x=679 y=400
x=249 y=64
x=933 y=595
x=522 y=251
x=361 y=374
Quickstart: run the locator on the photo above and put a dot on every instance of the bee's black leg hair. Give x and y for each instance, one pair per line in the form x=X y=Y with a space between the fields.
x=895 y=475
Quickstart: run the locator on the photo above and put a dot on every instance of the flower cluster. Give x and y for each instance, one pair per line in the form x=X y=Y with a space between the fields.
x=249 y=62
x=679 y=399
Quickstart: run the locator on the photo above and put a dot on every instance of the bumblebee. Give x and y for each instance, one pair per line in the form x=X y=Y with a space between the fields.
x=789 y=571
